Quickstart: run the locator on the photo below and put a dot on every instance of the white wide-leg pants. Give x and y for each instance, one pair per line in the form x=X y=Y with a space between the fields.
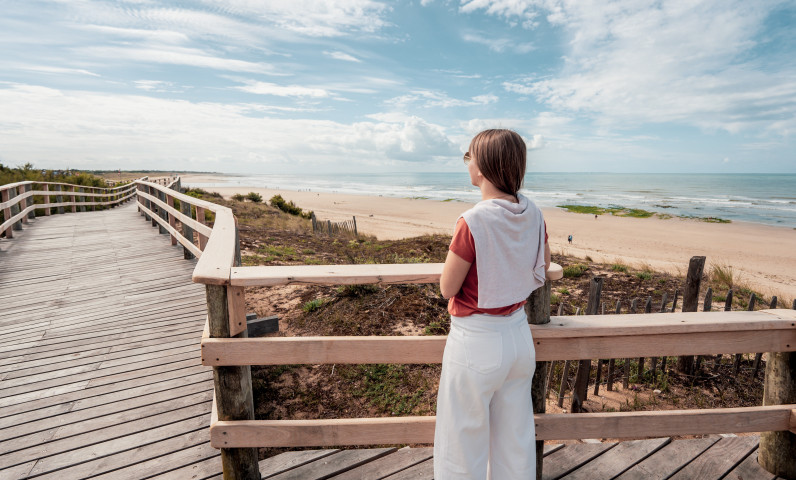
x=485 y=425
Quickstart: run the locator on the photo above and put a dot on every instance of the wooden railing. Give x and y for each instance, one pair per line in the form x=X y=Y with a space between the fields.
x=21 y=200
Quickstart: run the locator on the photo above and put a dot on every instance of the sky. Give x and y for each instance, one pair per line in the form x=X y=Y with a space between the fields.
x=357 y=86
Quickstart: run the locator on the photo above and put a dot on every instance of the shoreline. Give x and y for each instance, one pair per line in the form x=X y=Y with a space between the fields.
x=762 y=255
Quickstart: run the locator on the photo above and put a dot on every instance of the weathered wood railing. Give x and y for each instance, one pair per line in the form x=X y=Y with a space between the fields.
x=21 y=200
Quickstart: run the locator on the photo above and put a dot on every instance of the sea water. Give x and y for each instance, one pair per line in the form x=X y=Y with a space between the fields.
x=760 y=198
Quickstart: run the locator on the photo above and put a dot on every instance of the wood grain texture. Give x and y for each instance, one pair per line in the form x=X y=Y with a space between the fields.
x=374 y=431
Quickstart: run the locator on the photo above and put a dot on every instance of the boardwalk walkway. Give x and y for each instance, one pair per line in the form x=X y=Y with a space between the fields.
x=100 y=374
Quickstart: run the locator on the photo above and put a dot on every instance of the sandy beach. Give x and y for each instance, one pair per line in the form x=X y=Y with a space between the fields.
x=762 y=256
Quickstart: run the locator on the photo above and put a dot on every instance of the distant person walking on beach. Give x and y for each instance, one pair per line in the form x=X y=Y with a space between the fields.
x=498 y=256
x=569 y=239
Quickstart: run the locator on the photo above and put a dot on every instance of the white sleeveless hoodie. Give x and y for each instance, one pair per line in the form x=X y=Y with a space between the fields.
x=509 y=250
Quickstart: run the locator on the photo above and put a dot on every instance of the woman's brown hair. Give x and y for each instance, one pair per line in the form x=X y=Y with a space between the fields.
x=500 y=156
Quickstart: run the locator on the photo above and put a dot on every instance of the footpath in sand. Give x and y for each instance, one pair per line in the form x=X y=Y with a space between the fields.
x=763 y=257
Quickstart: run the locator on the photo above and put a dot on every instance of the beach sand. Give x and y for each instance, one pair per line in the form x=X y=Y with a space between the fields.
x=763 y=257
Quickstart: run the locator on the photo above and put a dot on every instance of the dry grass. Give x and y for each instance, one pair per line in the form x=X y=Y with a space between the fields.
x=723 y=274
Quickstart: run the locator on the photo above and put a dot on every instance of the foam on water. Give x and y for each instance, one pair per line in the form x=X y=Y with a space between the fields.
x=759 y=198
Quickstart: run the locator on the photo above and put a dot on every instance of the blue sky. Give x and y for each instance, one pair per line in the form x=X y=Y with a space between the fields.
x=293 y=86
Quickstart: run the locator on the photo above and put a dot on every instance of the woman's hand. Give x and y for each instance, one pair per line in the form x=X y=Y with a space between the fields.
x=453 y=274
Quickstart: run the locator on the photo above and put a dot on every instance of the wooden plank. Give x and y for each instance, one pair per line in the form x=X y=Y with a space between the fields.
x=336 y=274
x=290 y=460
x=333 y=464
x=213 y=268
x=403 y=430
x=669 y=459
x=618 y=459
x=236 y=302
x=572 y=457
x=749 y=469
x=389 y=464
x=125 y=451
x=172 y=230
x=428 y=349
x=719 y=459
x=181 y=464
x=421 y=471
x=93 y=438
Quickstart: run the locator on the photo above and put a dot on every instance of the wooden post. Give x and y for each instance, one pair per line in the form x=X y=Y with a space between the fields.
x=580 y=390
x=728 y=301
x=329 y=225
x=172 y=218
x=12 y=193
x=663 y=303
x=314 y=222
x=674 y=302
x=47 y=200
x=537 y=309
x=82 y=200
x=72 y=199
x=59 y=198
x=162 y=213
x=5 y=196
x=29 y=202
x=777 y=452
x=233 y=389
x=187 y=231
x=200 y=217
x=238 y=259
x=708 y=303
x=685 y=363
x=355 y=226
x=563 y=387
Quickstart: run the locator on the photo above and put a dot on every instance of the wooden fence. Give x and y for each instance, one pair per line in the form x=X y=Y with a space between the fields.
x=227 y=349
x=578 y=383
x=334 y=228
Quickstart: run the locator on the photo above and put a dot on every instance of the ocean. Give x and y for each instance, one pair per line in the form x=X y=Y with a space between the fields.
x=759 y=198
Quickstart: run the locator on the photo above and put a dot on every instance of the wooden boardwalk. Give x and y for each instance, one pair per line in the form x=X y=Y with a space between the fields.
x=100 y=375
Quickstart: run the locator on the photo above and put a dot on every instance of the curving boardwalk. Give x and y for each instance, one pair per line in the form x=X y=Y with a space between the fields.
x=100 y=368
x=100 y=375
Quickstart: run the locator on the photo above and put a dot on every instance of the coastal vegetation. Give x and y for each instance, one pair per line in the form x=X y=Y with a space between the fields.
x=634 y=212
x=28 y=172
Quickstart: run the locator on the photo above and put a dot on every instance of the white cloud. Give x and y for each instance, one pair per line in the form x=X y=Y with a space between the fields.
x=264 y=88
x=634 y=62
x=315 y=18
x=435 y=99
x=343 y=56
x=525 y=11
x=134 y=131
x=499 y=45
x=178 y=56
x=485 y=99
x=56 y=70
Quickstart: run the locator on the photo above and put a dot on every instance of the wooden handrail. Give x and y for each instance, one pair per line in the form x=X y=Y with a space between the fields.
x=20 y=200
x=564 y=338
x=398 y=430
x=218 y=255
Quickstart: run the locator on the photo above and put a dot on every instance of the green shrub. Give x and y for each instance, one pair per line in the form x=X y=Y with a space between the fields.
x=575 y=270
x=313 y=305
x=289 y=207
x=239 y=197
x=254 y=197
x=618 y=267
x=644 y=275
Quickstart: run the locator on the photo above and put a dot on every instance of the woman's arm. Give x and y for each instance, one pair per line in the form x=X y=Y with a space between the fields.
x=546 y=257
x=453 y=274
